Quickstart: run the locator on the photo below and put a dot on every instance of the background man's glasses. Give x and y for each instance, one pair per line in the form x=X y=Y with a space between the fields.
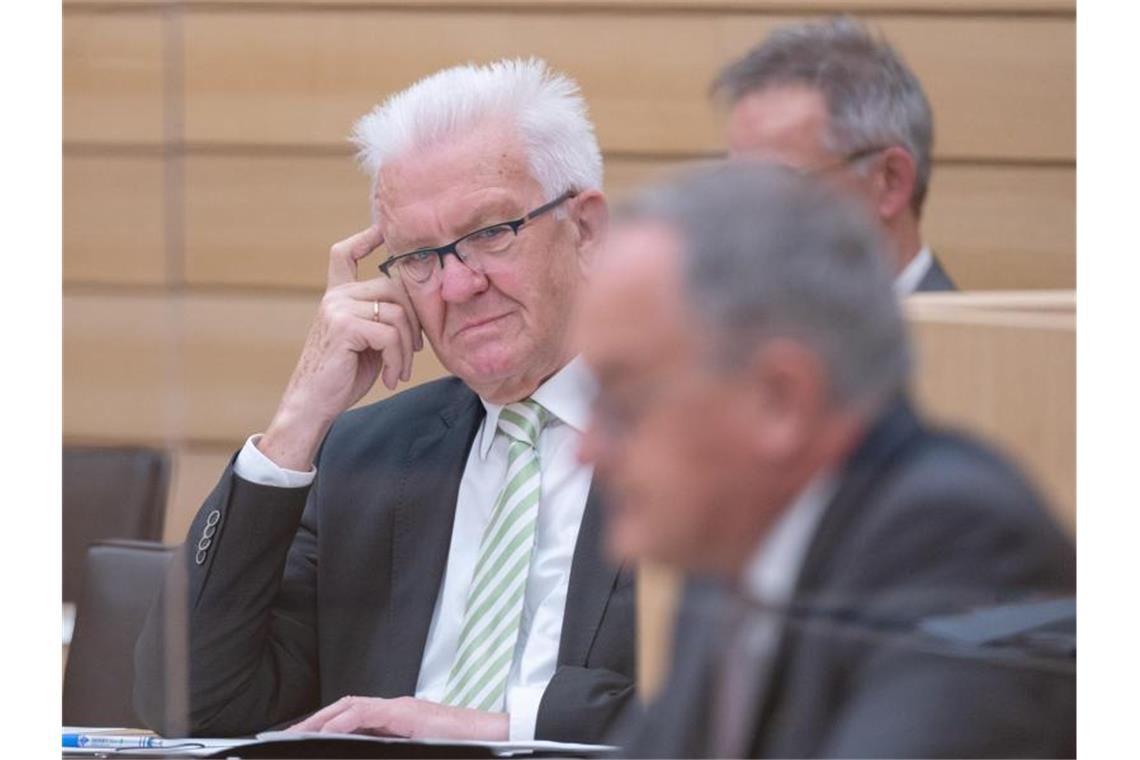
x=847 y=160
x=474 y=249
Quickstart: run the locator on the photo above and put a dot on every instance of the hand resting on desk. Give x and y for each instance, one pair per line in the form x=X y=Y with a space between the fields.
x=405 y=717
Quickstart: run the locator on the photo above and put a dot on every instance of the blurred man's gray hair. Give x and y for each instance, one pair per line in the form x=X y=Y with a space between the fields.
x=545 y=106
x=769 y=253
x=873 y=98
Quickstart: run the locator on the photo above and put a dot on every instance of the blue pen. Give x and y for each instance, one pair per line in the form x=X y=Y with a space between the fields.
x=97 y=741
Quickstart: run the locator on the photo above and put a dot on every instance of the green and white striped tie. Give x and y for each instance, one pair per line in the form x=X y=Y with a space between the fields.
x=478 y=677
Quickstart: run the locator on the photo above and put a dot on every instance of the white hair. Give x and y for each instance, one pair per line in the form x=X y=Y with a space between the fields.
x=546 y=107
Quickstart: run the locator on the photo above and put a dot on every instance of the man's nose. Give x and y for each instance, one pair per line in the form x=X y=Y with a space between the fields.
x=459 y=282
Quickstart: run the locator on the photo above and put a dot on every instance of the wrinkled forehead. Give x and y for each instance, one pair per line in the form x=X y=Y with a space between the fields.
x=784 y=124
x=442 y=188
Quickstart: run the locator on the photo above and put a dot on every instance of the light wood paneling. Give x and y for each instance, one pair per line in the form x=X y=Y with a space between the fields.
x=120 y=367
x=270 y=77
x=1008 y=374
x=197 y=367
x=1004 y=227
x=269 y=220
x=113 y=214
x=658 y=591
x=955 y=6
x=113 y=77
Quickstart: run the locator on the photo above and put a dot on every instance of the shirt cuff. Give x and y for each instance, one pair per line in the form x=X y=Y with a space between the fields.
x=523 y=713
x=257 y=468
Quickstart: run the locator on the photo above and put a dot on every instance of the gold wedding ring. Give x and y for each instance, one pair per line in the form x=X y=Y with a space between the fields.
x=375 y=311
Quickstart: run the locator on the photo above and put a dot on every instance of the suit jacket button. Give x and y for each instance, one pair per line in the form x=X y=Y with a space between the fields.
x=213 y=517
x=203 y=544
x=200 y=557
x=210 y=530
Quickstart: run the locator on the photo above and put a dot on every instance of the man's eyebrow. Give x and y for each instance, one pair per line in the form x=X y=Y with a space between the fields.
x=488 y=212
x=491 y=211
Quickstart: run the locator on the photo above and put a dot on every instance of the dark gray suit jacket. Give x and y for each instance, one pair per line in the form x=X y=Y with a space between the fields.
x=297 y=597
x=923 y=523
x=936 y=279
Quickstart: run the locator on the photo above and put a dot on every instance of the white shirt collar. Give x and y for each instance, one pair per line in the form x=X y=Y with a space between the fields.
x=770 y=576
x=912 y=274
x=567 y=394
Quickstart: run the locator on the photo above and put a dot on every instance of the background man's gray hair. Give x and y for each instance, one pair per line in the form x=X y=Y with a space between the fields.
x=873 y=98
x=546 y=107
x=768 y=253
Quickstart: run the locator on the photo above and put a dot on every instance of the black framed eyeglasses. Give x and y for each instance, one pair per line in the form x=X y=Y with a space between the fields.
x=473 y=249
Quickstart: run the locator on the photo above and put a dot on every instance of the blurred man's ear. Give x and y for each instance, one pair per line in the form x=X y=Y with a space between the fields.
x=591 y=216
x=893 y=183
x=789 y=388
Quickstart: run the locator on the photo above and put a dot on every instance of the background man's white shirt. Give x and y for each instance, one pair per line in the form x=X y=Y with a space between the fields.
x=909 y=278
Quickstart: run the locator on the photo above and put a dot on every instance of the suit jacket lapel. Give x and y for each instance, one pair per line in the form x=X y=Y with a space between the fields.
x=592 y=578
x=421 y=535
x=936 y=279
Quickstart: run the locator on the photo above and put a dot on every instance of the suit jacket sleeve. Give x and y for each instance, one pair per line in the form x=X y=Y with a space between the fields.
x=910 y=702
x=243 y=586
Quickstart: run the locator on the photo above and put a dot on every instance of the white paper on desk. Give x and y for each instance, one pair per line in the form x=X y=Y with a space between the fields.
x=502 y=749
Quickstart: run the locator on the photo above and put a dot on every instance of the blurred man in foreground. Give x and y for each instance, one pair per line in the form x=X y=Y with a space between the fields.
x=429 y=565
x=831 y=99
x=752 y=427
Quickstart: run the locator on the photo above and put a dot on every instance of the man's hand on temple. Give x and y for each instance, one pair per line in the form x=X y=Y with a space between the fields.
x=363 y=330
x=405 y=717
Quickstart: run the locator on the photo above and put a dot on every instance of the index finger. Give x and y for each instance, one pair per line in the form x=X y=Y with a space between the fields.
x=344 y=255
x=322 y=716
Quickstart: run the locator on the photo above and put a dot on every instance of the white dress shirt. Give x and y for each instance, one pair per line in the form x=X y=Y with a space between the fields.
x=771 y=574
x=908 y=279
x=565 y=486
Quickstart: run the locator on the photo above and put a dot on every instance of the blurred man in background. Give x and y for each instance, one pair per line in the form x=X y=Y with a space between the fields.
x=429 y=565
x=831 y=99
x=752 y=426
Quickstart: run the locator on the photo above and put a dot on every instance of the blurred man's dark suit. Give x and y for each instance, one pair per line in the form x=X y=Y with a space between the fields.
x=306 y=595
x=922 y=522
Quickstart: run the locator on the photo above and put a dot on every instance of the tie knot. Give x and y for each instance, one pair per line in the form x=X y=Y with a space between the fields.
x=524 y=420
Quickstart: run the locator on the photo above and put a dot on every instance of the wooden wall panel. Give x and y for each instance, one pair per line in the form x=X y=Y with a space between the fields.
x=113 y=77
x=257 y=221
x=113 y=220
x=263 y=220
x=1004 y=227
x=828 y=6
x=199 y=367
x=272 y=77
x=120 y=367
x=1008 y=375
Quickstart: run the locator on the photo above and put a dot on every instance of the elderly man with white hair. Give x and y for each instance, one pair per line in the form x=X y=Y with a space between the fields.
x=429 y=565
